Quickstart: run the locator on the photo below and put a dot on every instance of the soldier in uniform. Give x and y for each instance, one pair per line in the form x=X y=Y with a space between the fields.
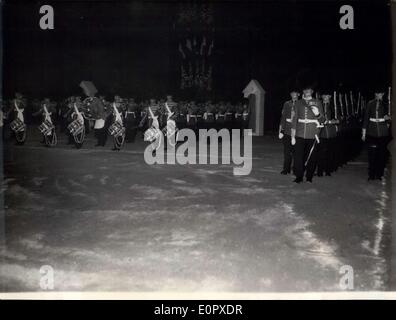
x=97 y=108
x=181 y=116
x=375 y=132
x=209 y=116
x=228 y=119
x=131 y=120
x=220 y=115
x=172 y=105
x=18 y=105
x=47 y=110
x=245 y=117
x=155 y=108
x=192 y=116
x=304 y=132
x=200 y=120
x=326 y=147
x=143 y=116
x=285 y=131
x=238 y=117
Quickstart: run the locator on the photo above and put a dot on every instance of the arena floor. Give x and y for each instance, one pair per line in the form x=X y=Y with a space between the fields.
x=106 y=221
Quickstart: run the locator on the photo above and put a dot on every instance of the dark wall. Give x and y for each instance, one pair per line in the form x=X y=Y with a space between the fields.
x=129 y=48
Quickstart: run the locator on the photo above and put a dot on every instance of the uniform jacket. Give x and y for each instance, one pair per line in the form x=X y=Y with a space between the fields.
x=98 y=109
x=303 y=113
x=329 y=130
x=373 y=120
x=286 y=118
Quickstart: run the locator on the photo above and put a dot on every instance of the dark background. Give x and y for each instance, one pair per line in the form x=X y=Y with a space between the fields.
x=130 y=48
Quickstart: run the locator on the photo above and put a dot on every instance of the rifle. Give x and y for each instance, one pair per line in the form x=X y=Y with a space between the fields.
x=341 y=106
x=352 y=106
x=335 y=105
x=346 y=106
x=389 y=102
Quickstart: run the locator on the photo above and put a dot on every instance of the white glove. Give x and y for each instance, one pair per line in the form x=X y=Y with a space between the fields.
x=293 y=141
x=315 y=110
x=280 y=135
x=364 y=135
x=386 y=117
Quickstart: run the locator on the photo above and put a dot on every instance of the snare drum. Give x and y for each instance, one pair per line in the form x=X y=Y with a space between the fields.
x=46 y=127
x=17 y=125
x=151 y=134
x=116 y=129
x=76 y=127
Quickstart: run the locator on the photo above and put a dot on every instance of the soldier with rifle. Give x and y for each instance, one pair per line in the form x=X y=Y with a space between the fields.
x=285 y=131
x=376 y=133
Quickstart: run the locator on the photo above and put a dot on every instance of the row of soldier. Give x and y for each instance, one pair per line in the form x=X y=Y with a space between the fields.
x=134 y=116
x=321 y=134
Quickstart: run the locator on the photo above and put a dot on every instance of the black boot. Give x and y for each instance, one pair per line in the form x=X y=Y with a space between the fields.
x=298 y=180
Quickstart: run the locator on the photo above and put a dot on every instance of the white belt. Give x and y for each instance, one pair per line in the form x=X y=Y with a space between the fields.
x=288 y=120
x=307 y=121
x=377 y=120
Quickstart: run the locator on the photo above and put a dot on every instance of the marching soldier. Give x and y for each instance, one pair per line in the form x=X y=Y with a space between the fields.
x=18 y=105
x=220 y=116
x=47 y=109
x=181 y=116
x=143 y=116
x=97 y=108
x=155 y=108
x=229 y=111
x=74 y=115
x=285 y=131
x=304 y=132
x=209 y=116
x=172 y=105
x=192 y=116
x=200 y=121
x=245 y=117
x=131 y=120
x=326 y=147
x=375 y=132
x=238 y=117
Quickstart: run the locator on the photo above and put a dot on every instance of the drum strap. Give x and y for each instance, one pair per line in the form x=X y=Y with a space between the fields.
x=19 y=112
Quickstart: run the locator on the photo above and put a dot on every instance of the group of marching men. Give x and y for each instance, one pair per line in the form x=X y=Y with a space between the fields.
x=123 y=118
x=321 y=134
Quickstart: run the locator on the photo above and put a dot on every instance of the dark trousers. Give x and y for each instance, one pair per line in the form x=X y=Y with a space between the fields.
x=287 y=153
x=326 y=159
x=301 y=152
x=377 y=156
x=130 y=129
x=101 y=136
